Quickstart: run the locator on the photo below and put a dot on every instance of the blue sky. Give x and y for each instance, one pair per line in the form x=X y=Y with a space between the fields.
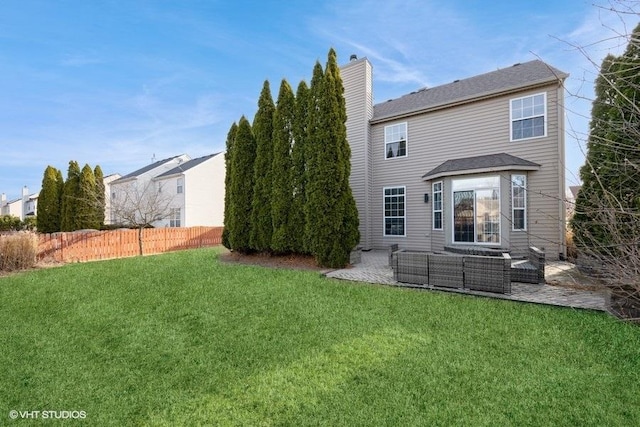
x=115 y=83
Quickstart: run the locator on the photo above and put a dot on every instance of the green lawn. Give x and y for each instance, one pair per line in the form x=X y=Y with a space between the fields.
x=181 y=339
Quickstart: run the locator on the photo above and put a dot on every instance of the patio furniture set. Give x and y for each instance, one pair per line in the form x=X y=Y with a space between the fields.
x=473 y=268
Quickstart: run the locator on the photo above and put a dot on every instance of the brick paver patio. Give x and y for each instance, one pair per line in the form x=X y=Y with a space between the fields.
x=374 y=268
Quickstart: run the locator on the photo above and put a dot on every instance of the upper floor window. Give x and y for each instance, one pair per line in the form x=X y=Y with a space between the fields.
x=528 y=117
x=180 y=185
x=394 y=211
x=395 y=140
x=437 y=205
x=519 y=202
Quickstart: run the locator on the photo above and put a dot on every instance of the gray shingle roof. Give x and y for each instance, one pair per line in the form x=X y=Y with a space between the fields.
x=500 y=161
x=144 y=169
x=186 y=165
x=506 y=79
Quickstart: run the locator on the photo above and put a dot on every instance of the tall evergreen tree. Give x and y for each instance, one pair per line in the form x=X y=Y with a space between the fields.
x=227 y=184
x=48 y=219
x=86 y=200
x=261 y=223
x=332 y=216
x=314 y=206
x=281 y=182
x=610 y=193
x=100 y=196
x=298 y=173
x=60 y=182
x=242 y=167
x=68 y=221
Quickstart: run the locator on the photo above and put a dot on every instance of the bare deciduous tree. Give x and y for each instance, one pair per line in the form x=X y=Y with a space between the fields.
x=140 y=205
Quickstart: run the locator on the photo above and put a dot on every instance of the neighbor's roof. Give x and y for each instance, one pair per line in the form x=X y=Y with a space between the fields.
x=186 y=165
x=488 y=162
x=574 y=190
x=145 y=169
x=507 y=79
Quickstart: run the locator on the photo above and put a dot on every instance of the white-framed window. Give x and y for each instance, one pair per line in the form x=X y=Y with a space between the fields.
x=394 y=211
x=518 y=202
x=174 y=218
x=180 y=185
x=437 y=205
x=529 y=117
x=395 y=140
x=476 y=210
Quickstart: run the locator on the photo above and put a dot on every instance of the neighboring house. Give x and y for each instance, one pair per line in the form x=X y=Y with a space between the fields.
x=193 y=190
x=198 y=185
x=107 y=180
x=141 y=180
x=571 y=197
x=22 y=207
x=478 y=161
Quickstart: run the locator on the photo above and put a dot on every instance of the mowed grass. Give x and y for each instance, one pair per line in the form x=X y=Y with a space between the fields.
x=182 y=339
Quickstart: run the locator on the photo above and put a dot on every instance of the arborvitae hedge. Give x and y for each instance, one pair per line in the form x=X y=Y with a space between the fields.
x=48 y=219
x=298 y=174
x=242 y=183
x=68 y=221
x=289 y=187
x=282 y=185
x=261 y=224
x=86 y=200
x=227 y=184
x=332 y=217
x=100 y=196
x=315 y=202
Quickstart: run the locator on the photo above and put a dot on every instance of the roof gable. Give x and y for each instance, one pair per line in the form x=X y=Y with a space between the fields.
x=507 y=79
x=186 y=166
x=145 y=169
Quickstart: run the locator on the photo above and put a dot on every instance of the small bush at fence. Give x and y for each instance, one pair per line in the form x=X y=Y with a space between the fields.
x=18 y=251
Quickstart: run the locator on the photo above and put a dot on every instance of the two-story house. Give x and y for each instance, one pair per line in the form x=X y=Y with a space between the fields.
x=23 y=207
x=138 y=186
x=191 y=190
x=476 y=162
x=199 y=192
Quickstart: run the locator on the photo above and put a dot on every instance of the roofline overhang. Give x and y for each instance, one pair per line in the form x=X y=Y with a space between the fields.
x=467 y=100
x=123 y=180
x=480 y=170
x=173 y=175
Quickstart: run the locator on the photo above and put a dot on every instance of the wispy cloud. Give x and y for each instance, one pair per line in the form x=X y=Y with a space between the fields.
x=80 y=59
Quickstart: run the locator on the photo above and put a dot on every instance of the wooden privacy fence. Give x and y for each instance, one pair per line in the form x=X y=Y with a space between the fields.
x=80 y=246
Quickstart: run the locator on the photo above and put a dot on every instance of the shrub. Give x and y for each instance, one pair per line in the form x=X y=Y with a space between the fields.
x=18 y=251
x=10 y=223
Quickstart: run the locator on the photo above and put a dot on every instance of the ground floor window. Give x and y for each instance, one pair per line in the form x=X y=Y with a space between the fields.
x=394 y=211
x=437 y=205
x=476 y=210
x=174 y=218
x=518 y=202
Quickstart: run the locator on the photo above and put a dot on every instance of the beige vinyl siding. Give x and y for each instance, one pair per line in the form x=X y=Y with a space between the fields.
x=356 y=78
x=472 y=129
